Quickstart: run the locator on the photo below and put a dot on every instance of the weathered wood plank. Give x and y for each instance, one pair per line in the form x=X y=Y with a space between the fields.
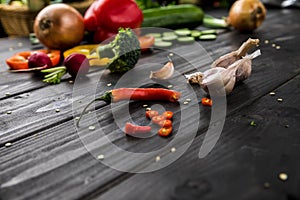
x=80 y=174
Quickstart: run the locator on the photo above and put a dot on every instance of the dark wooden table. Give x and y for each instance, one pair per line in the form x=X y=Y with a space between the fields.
x=44 y=156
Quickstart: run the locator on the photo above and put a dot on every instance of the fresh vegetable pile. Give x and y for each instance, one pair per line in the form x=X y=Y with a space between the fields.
x=118 y=26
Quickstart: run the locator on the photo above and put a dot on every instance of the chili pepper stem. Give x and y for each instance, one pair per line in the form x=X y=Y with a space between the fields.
x=105 y=97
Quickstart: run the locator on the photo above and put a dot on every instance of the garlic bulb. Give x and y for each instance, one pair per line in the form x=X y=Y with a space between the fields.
x=219 y=77
x=228 y=59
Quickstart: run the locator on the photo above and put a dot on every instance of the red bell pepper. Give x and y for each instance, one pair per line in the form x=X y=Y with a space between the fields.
x=105 y=17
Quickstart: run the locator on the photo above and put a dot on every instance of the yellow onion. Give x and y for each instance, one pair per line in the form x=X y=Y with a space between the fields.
x=59 y=26
x=246 y=15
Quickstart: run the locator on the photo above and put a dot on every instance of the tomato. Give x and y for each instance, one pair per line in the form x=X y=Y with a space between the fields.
x=20 y=60
x=165 y=131
x=146 y=41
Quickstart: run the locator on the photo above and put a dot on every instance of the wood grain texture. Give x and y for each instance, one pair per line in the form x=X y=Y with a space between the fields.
x=49 y=161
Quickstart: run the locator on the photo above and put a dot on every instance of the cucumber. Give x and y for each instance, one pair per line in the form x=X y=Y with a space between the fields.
x=173 y=16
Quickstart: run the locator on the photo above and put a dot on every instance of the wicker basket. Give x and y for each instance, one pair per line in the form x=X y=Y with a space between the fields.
x=19 y=20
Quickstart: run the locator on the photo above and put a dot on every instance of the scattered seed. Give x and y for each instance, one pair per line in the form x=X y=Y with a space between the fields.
x=185 y=102
x=57 y=110
x=7 y=94
x=71 y=82
x=170 y=86
x=147 y=109
x=91 y=128
x=109 y=84
x=20 y=44
x=252 y=123
x=287 y=126
x=77 y=118
x=266 y=185
x=100 y=157
x=283 y=176
x=145 y=106
x=277 y=47
x=188 y=100
x=273 y=45
x=8 y=144
x=157 y=158
x=9 y=112
x=280 y=100
x=171 y=54
x=267 y=41
x=11 y=49
x=272 y=93
x=173 y=149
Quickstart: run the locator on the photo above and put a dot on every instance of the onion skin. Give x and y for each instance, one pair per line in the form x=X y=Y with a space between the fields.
x=246 y=15
x=59 y=26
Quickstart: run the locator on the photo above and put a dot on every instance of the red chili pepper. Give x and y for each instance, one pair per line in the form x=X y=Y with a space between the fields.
x=20 y=60
x=110 y=15
x=143 y=94
x=151 y=113
x=168 y=114
x=206 y=101
x=165 y=123
x=165 y=131
x=158 y=119
x=132 y=129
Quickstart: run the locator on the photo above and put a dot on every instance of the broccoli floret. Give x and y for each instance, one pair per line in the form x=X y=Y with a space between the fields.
x=124 y=51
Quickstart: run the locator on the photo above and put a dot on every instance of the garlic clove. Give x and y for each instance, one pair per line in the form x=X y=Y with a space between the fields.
x=165 y=72
x=230 y=58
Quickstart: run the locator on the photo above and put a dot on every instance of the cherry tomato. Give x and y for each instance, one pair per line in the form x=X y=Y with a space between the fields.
x=164 y=132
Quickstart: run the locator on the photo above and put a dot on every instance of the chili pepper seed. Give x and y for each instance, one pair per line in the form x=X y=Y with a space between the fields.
x=8 y=144
x=173 y=149
x=287 y=126
x=57 y=110
x=188 y=100
x=91 y=128
x=77 y=118
x=280 y=100
x=272 y=93
x=185 y=102
x=283 y=176
x=71 y=82
x=109 y=84
x=277 y=47
x=170 y=86
x=266 y=41
x=147 y=109
x=157 y=158
x=7 y=94
x=9 y=112
x=273 y=45
x=145 y=106
x=100 y=157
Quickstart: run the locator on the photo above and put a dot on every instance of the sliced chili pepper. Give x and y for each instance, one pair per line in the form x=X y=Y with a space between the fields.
x=20 y=60
x=132 y=128
x=165 y=131
x=206 y=101
x=168 y=114
x=151 y=113
x=158 y=119
x=144 y=94
x=165 y=123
